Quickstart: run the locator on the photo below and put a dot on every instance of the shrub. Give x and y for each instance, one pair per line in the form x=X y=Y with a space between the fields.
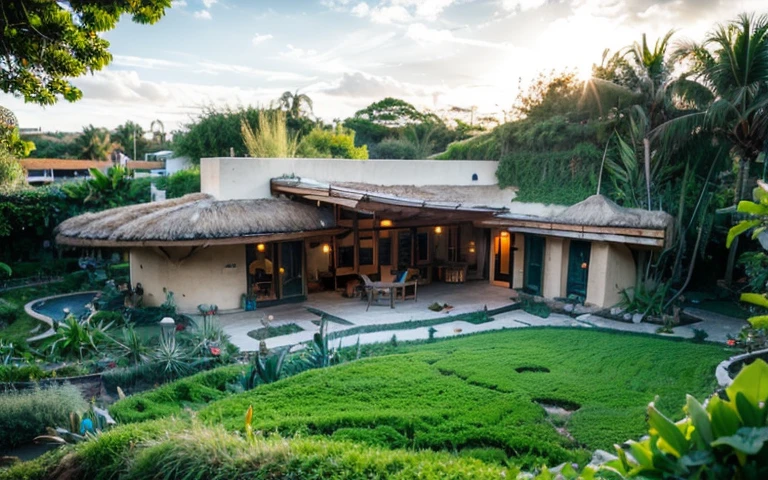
x=170 y=399
x=107 y=317
x=396 y=149
x=26 y=414
x=182 y=183
x=8 y=313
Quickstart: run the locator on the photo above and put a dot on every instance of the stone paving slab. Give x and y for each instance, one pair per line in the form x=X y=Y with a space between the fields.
x=465 y=298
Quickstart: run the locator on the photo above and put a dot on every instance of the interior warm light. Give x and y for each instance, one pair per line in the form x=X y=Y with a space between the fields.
x=261 y=247
x=281 y=270
x=584 y=265
x=326 y=248
x=438 y=230
x=505 y=234
x=385 y=223
x=471 y=249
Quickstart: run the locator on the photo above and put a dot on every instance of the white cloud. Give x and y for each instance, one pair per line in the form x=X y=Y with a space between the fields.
x=179 y=3
x=361 y=10
x=425 y=35
x=259 y=39
x=269 y=75
x=144 y=62
x=362 y=85
x=426 y=9
x=390 y=14
x=209 y=3
x=203 y=15
x=521 y=5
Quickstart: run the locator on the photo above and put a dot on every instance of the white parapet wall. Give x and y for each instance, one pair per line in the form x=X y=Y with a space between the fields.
x=240 y=178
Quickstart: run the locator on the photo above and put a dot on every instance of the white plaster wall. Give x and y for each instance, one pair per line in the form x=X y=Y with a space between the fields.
x=612 y=269
x=214 y=275
x=235 y=178
x=554 y=267
x=173 y=165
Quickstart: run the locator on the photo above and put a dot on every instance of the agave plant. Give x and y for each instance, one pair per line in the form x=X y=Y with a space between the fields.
x=133 y=347
x=319 y=353
x=76 y=338
x=267 y=368
x=727 y=438
x=171 y=357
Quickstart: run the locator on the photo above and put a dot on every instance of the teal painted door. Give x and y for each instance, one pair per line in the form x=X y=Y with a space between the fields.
x=534 y=264
x=578 y=270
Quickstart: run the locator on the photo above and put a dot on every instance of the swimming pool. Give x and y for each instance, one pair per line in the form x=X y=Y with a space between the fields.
x=53 y=307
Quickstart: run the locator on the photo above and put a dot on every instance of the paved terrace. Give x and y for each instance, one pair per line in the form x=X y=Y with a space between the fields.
x=465 y=298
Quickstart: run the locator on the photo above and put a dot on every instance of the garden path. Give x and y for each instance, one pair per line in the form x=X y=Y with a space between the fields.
x=465 y=298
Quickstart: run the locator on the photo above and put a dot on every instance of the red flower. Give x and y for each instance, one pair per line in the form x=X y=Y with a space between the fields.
x=179 y=327
x=215 y=351
x=731 y=342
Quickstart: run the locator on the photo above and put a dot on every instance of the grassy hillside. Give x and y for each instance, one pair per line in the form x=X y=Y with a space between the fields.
x=478 y=396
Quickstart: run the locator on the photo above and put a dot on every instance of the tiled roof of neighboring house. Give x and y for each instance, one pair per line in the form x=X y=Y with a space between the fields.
x=62 y=164
x=142 y=165
x=195 y=220
x=73 y=164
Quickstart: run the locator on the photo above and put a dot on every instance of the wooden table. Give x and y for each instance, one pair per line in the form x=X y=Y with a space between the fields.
x=391 y=286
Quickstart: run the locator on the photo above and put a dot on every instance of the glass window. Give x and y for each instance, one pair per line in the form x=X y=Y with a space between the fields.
x=346 y=256
x=385 y=251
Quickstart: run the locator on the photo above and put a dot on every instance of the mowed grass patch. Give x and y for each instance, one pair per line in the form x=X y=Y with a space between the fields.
x=466 y=393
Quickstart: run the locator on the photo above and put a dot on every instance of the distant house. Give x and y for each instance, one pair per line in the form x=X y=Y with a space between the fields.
x=269 y=227
x=172 y=163
x=42 y=171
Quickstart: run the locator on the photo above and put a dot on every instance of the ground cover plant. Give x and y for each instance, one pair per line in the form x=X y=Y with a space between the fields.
x=270 y=331
x=466 y=394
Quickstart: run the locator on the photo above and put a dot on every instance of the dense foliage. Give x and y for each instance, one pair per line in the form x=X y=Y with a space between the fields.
x=45 y=44
x=26 y=414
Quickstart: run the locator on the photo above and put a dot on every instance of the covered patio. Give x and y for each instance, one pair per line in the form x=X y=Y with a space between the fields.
x=350 y=313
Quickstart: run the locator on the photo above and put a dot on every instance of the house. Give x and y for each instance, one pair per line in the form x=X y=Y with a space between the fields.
x=279 y=229
x=48 y=170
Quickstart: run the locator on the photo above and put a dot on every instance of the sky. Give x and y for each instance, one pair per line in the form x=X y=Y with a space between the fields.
x=346 y=54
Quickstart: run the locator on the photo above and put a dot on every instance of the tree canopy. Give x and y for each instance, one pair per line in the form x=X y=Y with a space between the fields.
x=43 y=44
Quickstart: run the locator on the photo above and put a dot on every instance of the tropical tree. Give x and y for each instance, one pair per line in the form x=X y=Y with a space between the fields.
x=96 y=143
x=102 y=190
x=295 y=104
x=732 y=64
x=216 y=132
x=158 y=132
x=128 y=135
x=44 y=44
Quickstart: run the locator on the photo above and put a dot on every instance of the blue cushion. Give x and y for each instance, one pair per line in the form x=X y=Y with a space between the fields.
x=401 y=278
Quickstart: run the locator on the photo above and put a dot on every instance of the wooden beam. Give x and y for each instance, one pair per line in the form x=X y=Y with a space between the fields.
x=597 y=237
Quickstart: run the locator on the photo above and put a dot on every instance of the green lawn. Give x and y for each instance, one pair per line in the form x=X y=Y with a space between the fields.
x=463 y=394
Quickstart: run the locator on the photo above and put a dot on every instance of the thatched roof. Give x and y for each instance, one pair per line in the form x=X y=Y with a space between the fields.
x=599 y=211
x=193 y=219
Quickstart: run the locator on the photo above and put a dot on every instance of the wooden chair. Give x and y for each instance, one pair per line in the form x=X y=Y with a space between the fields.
x=375 y=289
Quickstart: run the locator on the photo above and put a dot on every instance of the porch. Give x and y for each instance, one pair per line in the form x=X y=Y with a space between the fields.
x=349 y=313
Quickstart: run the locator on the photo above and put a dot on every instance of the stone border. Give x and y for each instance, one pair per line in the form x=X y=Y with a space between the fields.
x=45 y=318
x=721 y=372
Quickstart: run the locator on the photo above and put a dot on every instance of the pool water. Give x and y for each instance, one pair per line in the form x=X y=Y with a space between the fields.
x=54 y=307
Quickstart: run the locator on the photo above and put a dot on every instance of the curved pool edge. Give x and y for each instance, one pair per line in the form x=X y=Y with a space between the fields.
x=721 y=372
x=45 y=318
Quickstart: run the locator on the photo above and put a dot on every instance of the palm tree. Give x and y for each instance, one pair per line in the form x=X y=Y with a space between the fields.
x=293 y=103
x=158 y=136
x=732 y=64
x=96 y=143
